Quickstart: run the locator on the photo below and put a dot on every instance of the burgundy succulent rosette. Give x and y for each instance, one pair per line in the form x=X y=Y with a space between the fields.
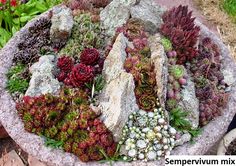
x=81 y=74
x=65 y=63
x=89 y=56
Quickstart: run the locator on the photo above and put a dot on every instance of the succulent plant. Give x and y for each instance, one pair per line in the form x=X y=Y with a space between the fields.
x=17 y=85
x=177 y=71
x=75 y=126
x=146 y=136
x=147 y=103
x=65 y=64
x=179 y=27
x=38 y=37
x=166 y=44
x=18 y=79
x=208 y=79
x=87 y=4
x=85 y=34
x=89 y=56
x=81 y=74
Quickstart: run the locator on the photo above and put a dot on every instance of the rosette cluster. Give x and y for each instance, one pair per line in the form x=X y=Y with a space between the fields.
x=84 y=72
x=69 y=119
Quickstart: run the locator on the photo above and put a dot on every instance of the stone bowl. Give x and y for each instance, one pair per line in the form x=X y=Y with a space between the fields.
x=34 y=145
x=226 y=141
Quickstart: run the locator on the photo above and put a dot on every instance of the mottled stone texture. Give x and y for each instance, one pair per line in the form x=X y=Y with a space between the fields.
x=190 y=103
x=149 y=12
x=117 y=100
x=160 y=61
x=116 y=14
x=62 y=24
x=34 y=144
x=43 y=80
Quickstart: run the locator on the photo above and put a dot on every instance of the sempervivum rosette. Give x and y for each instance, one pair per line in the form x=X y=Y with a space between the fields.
x=89 y=56
x=147 y=102
x=81 y=74
x=65 y=63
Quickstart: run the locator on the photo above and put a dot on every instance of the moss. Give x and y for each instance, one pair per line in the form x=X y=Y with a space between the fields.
x=85 y=34
x=16 y=81
x=15 y=70
x=17 y=85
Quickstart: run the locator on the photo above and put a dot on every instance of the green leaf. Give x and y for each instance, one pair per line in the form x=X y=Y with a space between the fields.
x=41 y=7
x=53 y=143
x=25 y=19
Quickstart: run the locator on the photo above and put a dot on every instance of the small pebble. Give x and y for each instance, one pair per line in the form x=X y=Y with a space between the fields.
x=161 y=121
x=141 y=156
x=151 y=155
x=151 y=114
x=141 y=144
x=132 y=153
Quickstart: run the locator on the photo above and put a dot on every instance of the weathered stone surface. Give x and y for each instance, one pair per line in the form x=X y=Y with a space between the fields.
x=62 y=24
x=11 y=159
x=150 y=12
x=35 y=162
x=183 y=139
x=114 y=63
x=159 y=59
x=190 y=103
x=117 y=100
x=116 y=14
x=43 y=80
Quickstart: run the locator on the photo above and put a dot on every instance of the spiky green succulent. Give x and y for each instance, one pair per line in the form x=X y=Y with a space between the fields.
x=85 y=34
x=177 y=71
x=166 y=44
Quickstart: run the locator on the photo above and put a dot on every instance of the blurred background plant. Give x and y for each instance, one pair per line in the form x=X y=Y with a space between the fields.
x=14 y=14
x=229 y=6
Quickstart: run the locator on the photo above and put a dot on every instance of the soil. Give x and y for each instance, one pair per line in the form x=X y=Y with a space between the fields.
x=7 y=145
x=224 y=23
x=231 y=150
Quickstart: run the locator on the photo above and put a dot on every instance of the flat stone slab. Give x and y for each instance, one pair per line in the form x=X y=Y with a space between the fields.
x=35 y=162
x=11 y=159
x=34 y=144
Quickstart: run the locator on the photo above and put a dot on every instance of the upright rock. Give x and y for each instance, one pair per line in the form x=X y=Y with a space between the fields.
x=114 y=63
x=43 y=80
x=116 y=14
x=150 y=12
x=190 y=103
x=160 y=62
x=62 y=24
x=117 y=100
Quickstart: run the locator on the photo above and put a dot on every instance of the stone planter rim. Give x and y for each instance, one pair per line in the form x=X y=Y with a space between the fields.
x=34 y=145
x=225 y=142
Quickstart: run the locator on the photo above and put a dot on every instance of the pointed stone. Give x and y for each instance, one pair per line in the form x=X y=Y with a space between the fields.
x=117 y=100
x=160 y=62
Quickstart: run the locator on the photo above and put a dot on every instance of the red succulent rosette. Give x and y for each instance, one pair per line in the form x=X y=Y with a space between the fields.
x=89 y=56
x=65 y=64
x=81 y=74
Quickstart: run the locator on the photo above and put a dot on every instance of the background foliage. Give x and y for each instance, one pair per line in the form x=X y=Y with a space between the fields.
x=15 y=15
